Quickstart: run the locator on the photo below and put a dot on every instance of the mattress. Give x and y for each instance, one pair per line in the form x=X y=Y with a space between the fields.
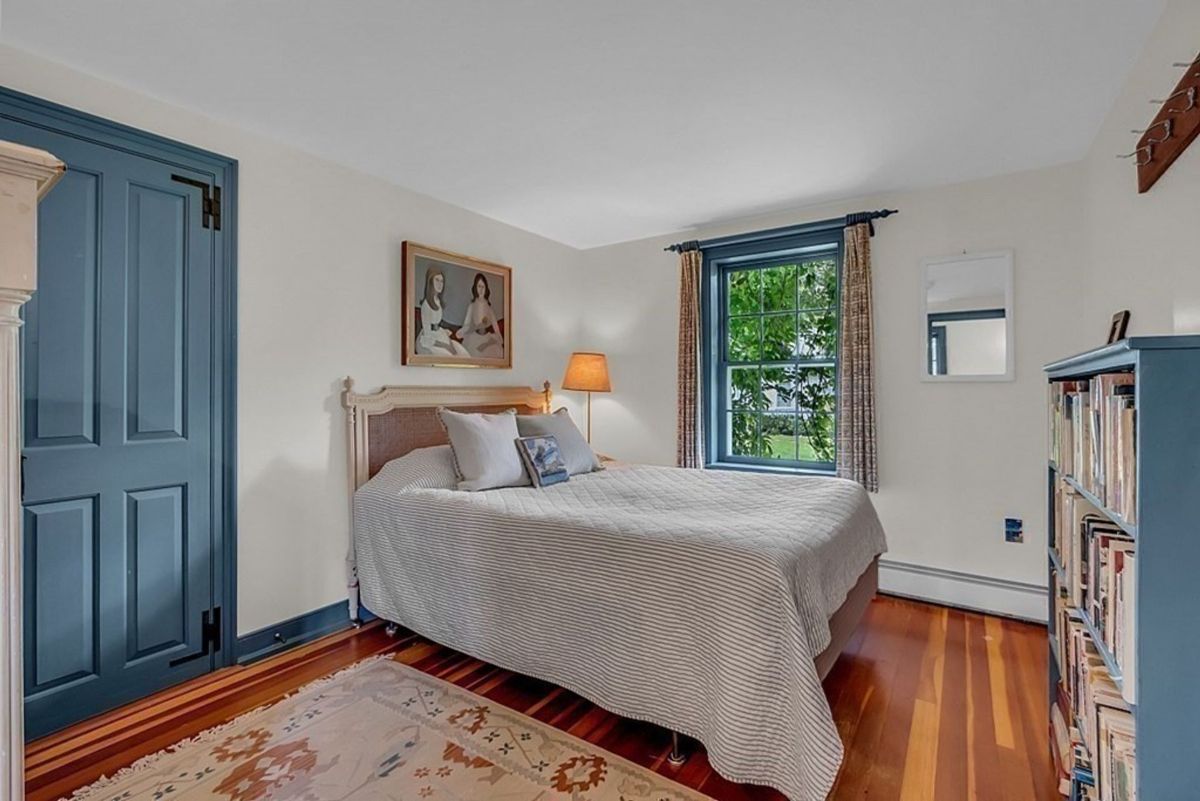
x=696 y=600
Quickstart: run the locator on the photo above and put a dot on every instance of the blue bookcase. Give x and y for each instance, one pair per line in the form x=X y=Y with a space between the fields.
x=1167 y=536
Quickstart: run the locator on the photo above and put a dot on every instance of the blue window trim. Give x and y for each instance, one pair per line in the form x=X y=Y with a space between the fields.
x=937 y=348
x=781 y=247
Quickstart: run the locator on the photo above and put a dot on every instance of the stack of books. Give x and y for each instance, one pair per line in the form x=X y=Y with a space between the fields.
x=1093 y=438
x=1112 y=430
x=1092 y=724
x=1065 y=398
x=1100 y=562
x=1111 y=596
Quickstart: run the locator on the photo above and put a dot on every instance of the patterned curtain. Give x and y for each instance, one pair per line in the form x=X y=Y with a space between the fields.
x=689 y=433
x=856 y=457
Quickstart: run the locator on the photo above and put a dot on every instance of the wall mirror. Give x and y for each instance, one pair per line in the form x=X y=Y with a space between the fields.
x=966 y=317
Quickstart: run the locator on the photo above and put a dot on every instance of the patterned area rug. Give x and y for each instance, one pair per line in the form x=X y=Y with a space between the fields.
x=381 y=730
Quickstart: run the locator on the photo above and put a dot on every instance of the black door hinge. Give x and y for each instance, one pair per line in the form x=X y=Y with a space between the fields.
x=212 y=631
x=210 y=636
x=210 y=201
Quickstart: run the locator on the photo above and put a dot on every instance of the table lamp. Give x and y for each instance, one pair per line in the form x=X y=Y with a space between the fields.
x=587 y=372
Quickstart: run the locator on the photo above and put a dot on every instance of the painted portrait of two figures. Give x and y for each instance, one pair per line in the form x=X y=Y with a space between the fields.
x=457 y=310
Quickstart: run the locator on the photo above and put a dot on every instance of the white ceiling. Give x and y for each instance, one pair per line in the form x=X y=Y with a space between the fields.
x=604 y=121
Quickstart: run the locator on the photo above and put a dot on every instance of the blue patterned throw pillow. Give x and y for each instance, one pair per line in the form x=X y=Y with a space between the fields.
x=543 y=460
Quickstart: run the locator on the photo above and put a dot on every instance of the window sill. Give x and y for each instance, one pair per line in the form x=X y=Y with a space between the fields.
x=738 y=467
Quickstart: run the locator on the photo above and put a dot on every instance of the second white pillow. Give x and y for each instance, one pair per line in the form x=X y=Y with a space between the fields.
x=485 y=451
x=575 y=450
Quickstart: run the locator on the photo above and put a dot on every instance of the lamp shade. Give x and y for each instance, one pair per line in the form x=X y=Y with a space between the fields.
x=587 y=372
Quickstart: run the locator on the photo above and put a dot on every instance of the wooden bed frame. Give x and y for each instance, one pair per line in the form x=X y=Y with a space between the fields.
x=385 y=425
x=388 y=423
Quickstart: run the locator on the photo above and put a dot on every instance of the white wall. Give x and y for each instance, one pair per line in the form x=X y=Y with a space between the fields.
x=955 y=458
x=1142 y=249
x=318 y=289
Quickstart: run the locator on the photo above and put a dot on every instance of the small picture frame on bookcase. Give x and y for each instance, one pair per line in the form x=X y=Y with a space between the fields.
x=1120 y=323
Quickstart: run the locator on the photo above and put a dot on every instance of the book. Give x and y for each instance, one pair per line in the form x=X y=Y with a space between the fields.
x=543 y=460
x=1060 y=741
x=1116 y=766
x=1126 y=647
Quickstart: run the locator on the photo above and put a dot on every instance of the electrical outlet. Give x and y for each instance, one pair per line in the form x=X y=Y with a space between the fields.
x=1014 y=530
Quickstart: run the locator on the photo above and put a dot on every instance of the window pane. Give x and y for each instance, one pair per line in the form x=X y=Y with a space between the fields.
x=779 y=288
x=744 y=291
x=779 y=436
x=816 y=333
x=815 y=437
x=778 y=388
x=779 y=337
x=743 y=388
x=743 y=345
x=743 y=434
x=818 y=284
x=815 y=389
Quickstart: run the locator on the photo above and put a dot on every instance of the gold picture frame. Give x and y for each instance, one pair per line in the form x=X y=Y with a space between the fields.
x=457 y=309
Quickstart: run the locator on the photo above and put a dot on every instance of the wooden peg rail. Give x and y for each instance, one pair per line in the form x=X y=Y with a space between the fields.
x=1172 y=129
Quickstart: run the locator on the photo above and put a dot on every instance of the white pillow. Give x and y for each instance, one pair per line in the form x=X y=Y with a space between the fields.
x=485 y=450
x=574 y=449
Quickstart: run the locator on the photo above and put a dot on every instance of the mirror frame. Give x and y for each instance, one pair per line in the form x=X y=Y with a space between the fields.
x=1009 y=373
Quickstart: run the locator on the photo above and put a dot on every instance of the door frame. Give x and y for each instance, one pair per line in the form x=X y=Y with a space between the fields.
x=223 y=172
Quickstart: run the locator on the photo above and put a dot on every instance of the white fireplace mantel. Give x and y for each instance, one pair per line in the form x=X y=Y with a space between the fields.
x=26 y=175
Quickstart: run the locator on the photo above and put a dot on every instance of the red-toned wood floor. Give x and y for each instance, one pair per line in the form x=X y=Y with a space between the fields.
x=933 y=704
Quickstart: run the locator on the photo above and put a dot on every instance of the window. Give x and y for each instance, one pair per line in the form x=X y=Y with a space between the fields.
x=771 y=353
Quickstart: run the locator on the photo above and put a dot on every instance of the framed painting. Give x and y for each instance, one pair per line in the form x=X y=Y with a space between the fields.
x=1118 y=327
x=457 y=310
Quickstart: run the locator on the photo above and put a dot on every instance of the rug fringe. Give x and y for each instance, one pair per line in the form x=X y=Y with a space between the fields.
x=90 y=791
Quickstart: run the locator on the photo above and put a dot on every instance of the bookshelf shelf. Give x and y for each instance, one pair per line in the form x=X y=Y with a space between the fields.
x=1056 y=563
x=1114 y=670
x=1128 y=528
x=1155 y=655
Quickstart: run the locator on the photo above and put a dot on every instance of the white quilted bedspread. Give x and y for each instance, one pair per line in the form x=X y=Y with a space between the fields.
x=693 y=599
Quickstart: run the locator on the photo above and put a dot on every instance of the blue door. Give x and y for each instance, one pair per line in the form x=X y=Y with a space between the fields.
x=123 y=376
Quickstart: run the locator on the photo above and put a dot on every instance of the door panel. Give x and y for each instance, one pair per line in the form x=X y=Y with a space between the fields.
x=61 y=600
x=155 y=298
x=62 y=404
x=122 y=512
x=157 y=593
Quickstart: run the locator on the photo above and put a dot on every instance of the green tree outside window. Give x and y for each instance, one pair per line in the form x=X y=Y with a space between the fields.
x=780 y=348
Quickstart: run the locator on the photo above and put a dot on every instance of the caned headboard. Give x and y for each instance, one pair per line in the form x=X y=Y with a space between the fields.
x=385 y=425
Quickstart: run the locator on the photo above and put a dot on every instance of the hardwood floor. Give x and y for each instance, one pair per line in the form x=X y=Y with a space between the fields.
x=933 y=704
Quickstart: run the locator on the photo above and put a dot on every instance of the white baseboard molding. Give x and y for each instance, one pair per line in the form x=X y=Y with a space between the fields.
x=966 y=590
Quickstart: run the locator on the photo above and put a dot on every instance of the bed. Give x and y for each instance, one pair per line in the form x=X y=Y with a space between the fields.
x=708 y=602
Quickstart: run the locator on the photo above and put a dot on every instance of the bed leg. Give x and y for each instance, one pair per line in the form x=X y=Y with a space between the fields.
x=391 y=630
x=677 y=756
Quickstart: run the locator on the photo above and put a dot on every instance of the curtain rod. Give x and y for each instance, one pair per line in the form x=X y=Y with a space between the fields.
x=791 y=230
